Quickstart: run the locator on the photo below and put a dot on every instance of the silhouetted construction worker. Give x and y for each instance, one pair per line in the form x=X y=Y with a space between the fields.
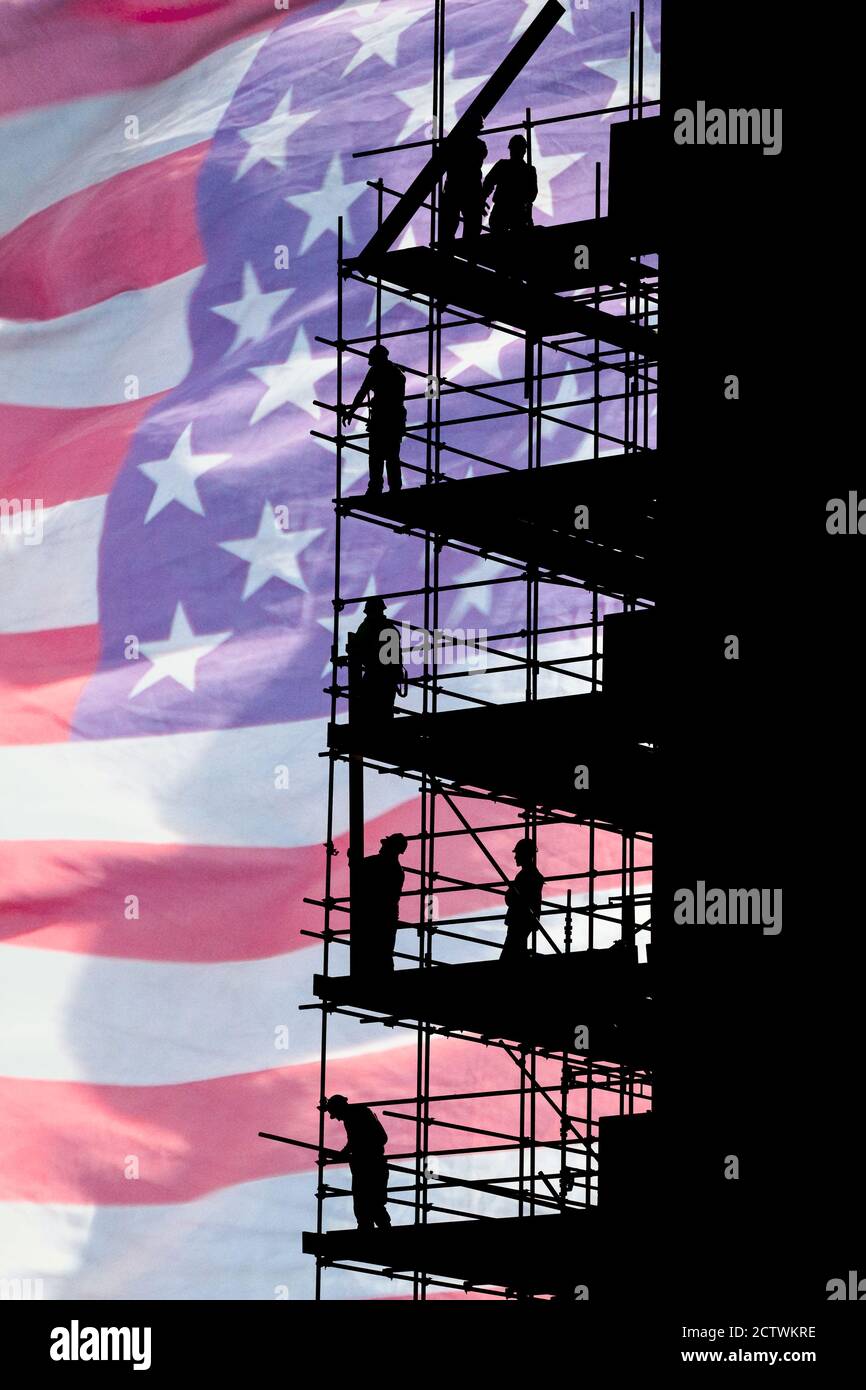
x=376 y=908
x=365 y=1150
x=514 y=185
x=386 y=386
x=375 y=645
x=461 y=192
x=523 y=900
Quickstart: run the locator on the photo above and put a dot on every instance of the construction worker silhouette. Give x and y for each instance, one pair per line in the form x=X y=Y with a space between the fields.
x=461 y=191
x=376 y=910
x=386 y=385
x=365 y=1150
x=523 y=900
x=514 y=185
x=376 y=646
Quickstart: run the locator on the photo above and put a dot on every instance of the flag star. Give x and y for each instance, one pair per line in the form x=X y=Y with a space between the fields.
x=178 y=655
x=549 y=167
x=395 y=301
x=175 y=476
x=617 y=70
x=355 y=467
x=567 y=20
x=267 y=141
x=478 y=599
x=420 y=101
x=481 y=355
x=292 y=382
x=272 y=553
x=252 y=313
x=379 y=33
x=569 y=388
x=324 y=205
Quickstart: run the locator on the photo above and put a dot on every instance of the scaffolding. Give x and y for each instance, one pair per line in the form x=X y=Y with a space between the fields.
x=531 y=1150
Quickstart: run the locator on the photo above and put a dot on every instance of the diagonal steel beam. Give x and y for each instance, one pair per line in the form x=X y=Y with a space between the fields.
x=493 y=90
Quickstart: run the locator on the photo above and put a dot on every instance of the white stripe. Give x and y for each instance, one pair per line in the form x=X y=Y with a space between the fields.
x=52 y=584
x=243 y=1242
x=135 y=344
x=54 y=151
x=168 y=1022
x=213 y=788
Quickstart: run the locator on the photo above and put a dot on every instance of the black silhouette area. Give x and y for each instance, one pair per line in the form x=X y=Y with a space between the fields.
x=461 y=191
x=376 y=671
x=365 y=1149
x=385 y=384
x=376 y=891
x=513 y=184
x=523 y=900
x=669 y=1231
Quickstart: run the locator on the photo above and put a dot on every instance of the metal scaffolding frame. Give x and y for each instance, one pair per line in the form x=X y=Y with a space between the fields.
x=546 y=1083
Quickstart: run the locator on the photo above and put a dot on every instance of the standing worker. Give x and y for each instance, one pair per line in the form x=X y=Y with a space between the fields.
x=461 y=191
x=376 y=646
x=386 y=385
x=365 y=1150
x=514 y=185
x=523 y=900
x=376 y=909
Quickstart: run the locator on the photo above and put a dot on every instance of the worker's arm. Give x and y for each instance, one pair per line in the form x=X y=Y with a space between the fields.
x=489 y=182
x=533 y=183
x=360 y=394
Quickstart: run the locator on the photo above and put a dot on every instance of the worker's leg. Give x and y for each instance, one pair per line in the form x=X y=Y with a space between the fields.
x=377 y=465
x=514 y=949
x=449 y=214
x=392 y=459
x=471 y=222
x=379 y=1194
x=365 y=1208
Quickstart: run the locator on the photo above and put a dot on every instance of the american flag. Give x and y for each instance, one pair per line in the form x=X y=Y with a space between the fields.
x=173 y=176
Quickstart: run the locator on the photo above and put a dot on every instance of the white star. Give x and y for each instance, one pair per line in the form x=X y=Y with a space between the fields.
x=617 y=70
x=272 y=553
x=481 y=355
x=267 y=140
x=292 y=381
x=252 y=313
x=523 y=22
x=420 y=100
x=549 y=167
x=357 y=615
x=177 y=656
x=324 y=205
x=395 y=301
x=379 y=36
x=479 y=599
x=355 y=467
x=568 y=388
x=175 y=476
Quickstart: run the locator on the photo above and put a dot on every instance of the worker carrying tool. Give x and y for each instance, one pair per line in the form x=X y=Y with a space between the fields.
x=461 y=191
x=375 y=645
x=386 y=386
x=365 y=1150
x=514 y=185
x=376 y=894
x=523 y=900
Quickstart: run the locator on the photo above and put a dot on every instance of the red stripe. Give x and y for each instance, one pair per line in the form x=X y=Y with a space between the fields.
x=73 y=254
x=70 y=1142
x=200 y=903
x=85 y=47
x=42 y=675
x=63 y=455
